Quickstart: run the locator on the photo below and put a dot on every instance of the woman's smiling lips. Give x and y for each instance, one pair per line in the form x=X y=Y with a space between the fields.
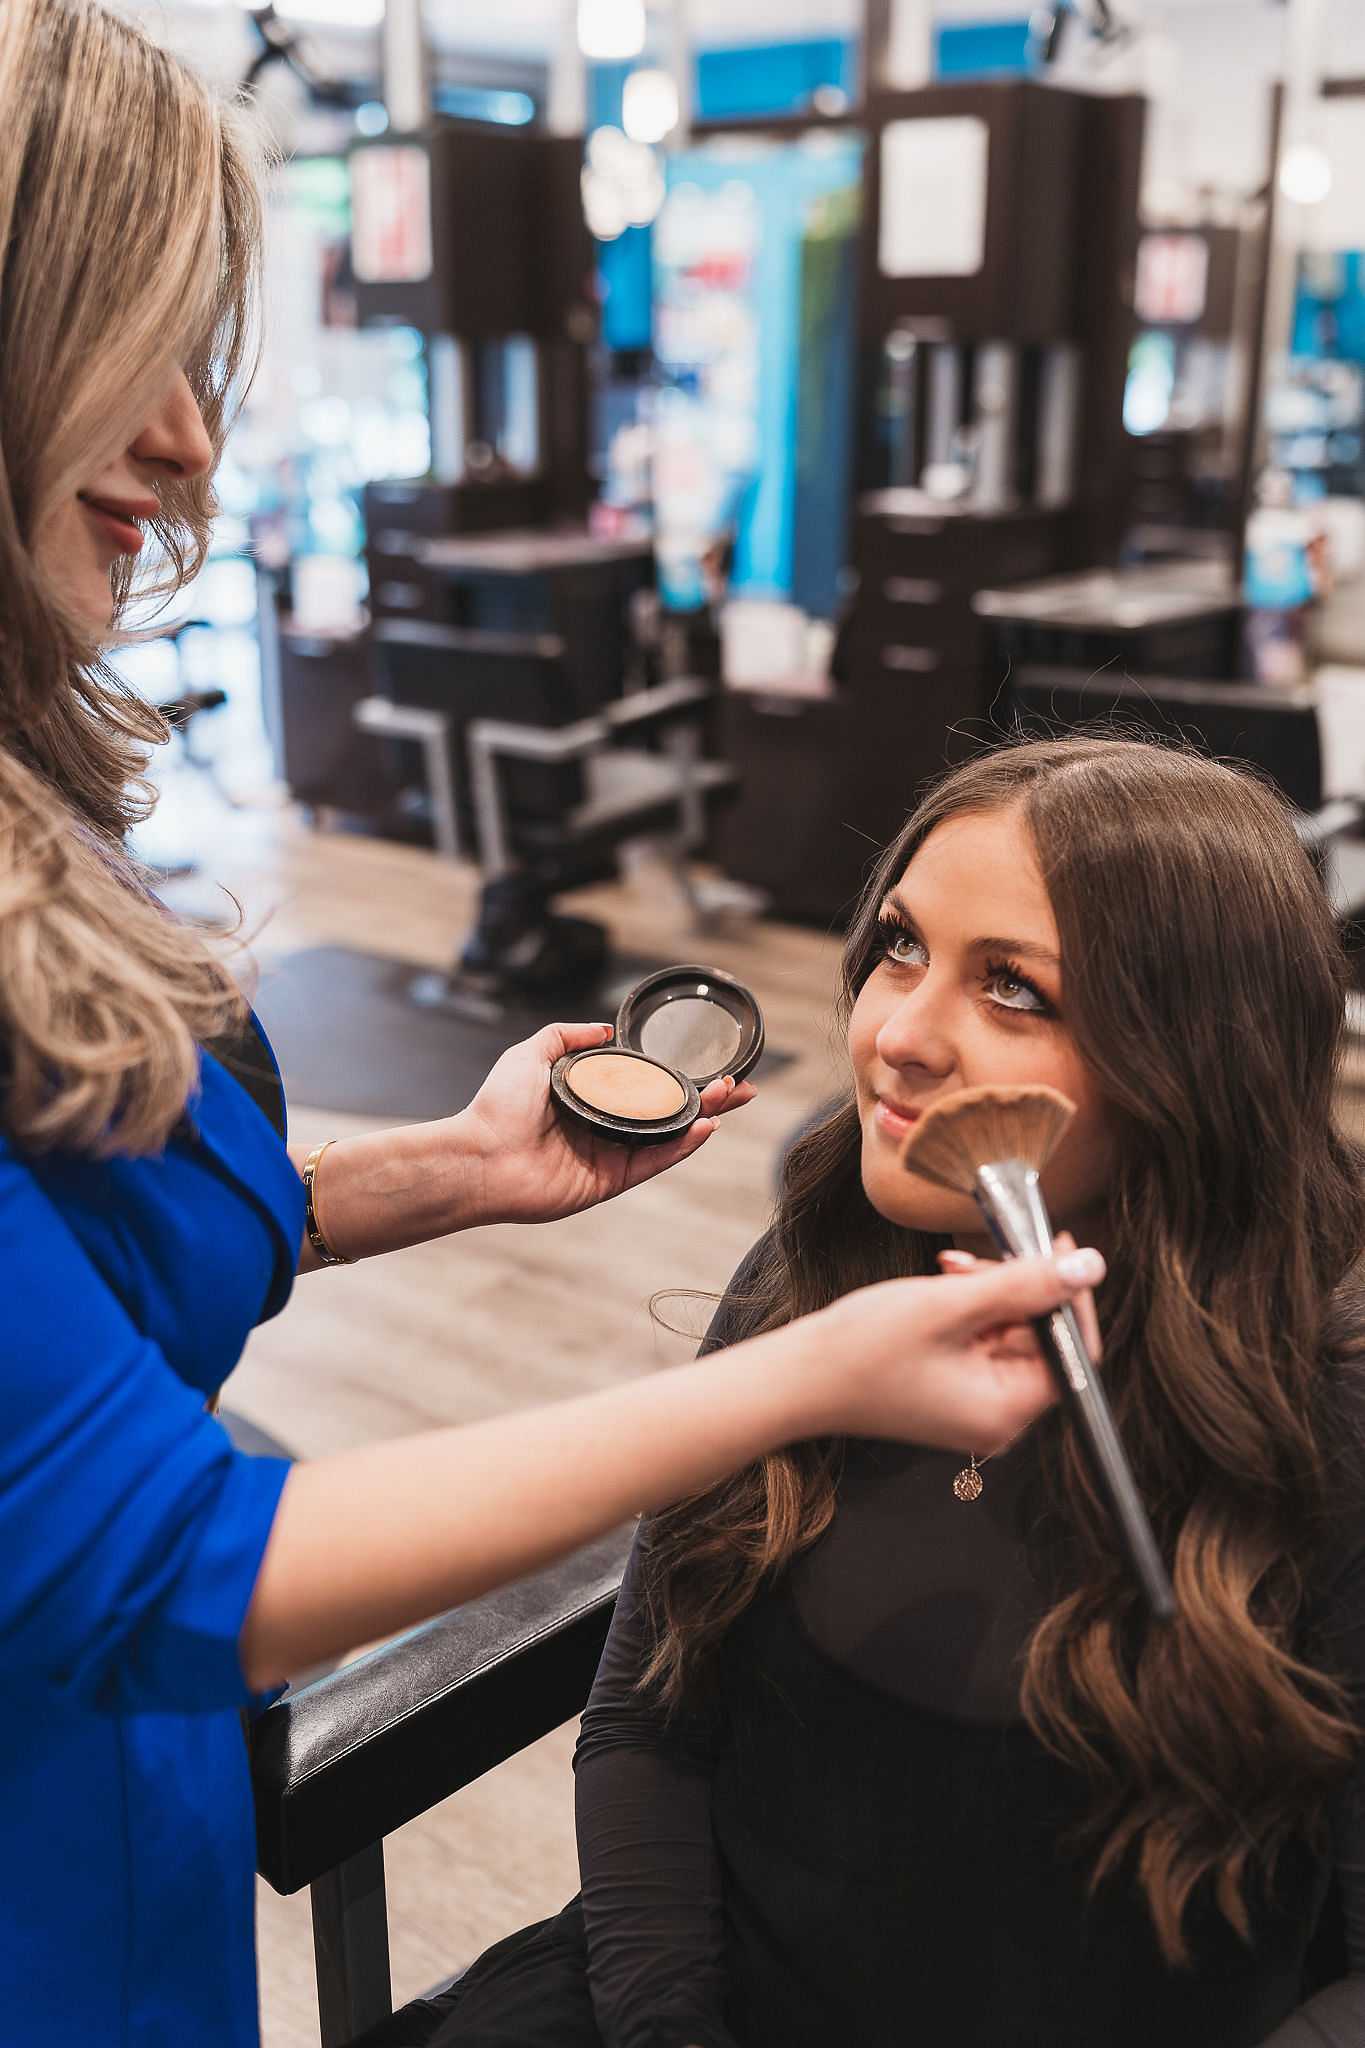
x=894 y=1119
x=117 y=519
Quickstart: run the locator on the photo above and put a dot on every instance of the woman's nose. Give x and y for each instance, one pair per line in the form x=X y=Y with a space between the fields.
x=918 y=1032
x=175 y=436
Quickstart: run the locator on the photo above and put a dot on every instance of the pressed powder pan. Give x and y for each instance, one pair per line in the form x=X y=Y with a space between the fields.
x=678 y=1030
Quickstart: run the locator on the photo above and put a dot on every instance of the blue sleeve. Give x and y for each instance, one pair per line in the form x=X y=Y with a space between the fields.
x=130 y=1528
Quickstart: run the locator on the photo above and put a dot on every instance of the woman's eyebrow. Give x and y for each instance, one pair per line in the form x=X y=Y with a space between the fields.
x=1026 y=949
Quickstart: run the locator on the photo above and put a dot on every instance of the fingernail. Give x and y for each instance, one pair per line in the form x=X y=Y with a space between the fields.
x=1081 y=1269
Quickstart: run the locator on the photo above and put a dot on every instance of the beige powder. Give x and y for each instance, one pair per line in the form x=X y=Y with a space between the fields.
x=619 y=1085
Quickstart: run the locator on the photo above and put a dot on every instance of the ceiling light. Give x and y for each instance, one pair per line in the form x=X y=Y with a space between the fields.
x=333 y=13
x=622 y=184
x=610 y=31
x=649 y=106
x=1305 y=174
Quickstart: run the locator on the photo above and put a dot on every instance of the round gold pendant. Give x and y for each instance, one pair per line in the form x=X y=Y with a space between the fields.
x=967 y=1485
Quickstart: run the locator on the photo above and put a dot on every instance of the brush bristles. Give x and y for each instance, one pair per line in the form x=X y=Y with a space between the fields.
x=982 y=1127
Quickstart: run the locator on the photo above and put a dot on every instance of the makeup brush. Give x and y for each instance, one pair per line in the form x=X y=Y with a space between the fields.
x=991 y=1143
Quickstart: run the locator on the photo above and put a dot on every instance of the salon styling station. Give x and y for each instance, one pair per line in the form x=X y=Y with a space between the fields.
x=501 y=676
x=500 y=680
x=997 y=245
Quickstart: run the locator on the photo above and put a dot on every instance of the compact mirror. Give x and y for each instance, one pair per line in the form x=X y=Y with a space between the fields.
x=697 y=1020
x=692 y=1034
x=678 y=1030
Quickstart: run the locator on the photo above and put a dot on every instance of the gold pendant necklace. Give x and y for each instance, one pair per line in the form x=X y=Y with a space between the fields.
x=967 y=1485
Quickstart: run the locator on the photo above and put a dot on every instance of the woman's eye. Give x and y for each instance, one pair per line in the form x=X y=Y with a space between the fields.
x=1012 y=994
x=903 y=948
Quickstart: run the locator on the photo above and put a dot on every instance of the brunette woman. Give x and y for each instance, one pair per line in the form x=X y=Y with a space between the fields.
x=870 y=1765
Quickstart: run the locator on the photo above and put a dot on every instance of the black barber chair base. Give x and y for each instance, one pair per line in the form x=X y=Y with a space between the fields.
x=562 y=958
x=179 y=712
x=1270 y=728
x=521 y=947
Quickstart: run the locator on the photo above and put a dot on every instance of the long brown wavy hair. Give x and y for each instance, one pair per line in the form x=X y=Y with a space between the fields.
x=1203 y=985
x=129 y=240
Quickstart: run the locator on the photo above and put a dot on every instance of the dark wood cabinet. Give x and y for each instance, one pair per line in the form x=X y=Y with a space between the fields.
x=510 y=250
x=827 y=783
x=1026 y=288
x=920 y=678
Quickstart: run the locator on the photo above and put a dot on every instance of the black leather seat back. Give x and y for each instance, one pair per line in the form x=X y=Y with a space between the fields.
x=1271 y=728
x=520 y=679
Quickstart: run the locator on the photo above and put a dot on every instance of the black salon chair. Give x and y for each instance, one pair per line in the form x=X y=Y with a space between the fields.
x=455 y=675
x=182 y=713
x=1270 y=727
x=541 y=783
x=181 y=710
x=343 y=1761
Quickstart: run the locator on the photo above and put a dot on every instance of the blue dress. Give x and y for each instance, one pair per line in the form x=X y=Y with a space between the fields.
x=131 y=1533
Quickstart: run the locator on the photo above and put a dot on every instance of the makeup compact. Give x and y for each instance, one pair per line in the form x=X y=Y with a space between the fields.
x=678 y=1030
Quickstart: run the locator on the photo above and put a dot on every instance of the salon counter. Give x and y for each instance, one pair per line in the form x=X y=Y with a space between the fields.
x=528 y=552
x=1180 y=618
x=826 y=780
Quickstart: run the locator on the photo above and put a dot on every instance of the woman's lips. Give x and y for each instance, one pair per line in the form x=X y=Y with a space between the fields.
x=891 y=1121
x=121 y=530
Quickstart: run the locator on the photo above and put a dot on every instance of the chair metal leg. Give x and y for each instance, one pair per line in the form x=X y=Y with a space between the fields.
x=351 y=1947
x=441 y=789
x=431 y=730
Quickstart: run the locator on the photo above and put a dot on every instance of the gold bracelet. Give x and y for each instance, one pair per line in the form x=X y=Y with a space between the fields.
x=325 y=1255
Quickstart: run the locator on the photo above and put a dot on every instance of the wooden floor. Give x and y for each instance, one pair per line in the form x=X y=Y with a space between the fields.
x=492 y=1320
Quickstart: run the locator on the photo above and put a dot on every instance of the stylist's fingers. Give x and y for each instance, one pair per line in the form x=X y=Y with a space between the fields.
x=524 y=1067
x=1014 y=1340
x=721 y=1096
x=1016 y=1290
x=1018 y=1341
x=554 y=1040
x=957 y=1262
x=1084 y=1304
x=648 y=1161
x=726 y=1094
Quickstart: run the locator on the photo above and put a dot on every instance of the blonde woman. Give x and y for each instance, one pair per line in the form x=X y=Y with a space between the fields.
x=153 y=1579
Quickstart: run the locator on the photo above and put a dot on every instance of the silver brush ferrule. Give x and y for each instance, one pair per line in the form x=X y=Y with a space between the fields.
x=1008 y=1196
x=1010 y=1199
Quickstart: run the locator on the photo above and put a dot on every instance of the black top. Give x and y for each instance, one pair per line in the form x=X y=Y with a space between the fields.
x=248 y=1057
x=858 y=1840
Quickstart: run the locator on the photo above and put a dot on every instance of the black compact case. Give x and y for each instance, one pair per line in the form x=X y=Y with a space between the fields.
x=695 y=1024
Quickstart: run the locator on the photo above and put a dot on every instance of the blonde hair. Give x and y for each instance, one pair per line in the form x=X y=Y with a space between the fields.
x=129 y=248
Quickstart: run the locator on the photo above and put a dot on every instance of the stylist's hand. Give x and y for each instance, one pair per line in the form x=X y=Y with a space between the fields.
x=948 y=1361
x=1021 y=1337
x=530 y=1166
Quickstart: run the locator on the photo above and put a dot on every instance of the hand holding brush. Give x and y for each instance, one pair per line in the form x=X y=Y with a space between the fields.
x=992 y=1143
